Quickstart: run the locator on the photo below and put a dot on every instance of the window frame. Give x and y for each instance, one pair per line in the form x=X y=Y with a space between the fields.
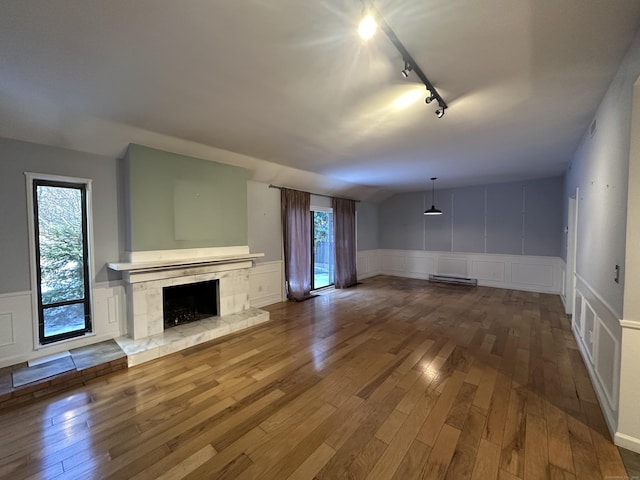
x=32 y=180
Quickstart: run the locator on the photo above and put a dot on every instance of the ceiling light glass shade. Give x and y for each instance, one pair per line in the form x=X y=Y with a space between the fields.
x=433 y=211
x=367 y=27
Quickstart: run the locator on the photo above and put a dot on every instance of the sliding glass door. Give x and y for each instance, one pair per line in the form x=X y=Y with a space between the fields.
x=322 y=252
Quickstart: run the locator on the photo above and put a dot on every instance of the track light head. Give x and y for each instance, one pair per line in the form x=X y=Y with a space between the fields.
x=407 y=68
x=430 y=98
x=440 y=112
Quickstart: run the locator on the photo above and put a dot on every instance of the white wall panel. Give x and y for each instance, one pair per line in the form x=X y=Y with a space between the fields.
x=420 y=265
x=488 y=270
x=607 y=367
x=538 y=275
x=266 y=284
x=596 y=327
x=6 y=329
x=393 y=262
x=368 y=263
x=456 y=266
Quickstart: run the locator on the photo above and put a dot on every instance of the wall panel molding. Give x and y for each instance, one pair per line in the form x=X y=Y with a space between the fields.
x=7 y=335
x=517 y=272
x=109 y=321
x=368 y=263
x=596 y=328
x=266 y=284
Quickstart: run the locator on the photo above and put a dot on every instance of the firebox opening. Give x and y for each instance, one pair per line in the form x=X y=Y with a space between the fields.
x=189 y=303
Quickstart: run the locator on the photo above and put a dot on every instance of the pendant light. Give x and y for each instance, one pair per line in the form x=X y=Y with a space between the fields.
x=433 y=210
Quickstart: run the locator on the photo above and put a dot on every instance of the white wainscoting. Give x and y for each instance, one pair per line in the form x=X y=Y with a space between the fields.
x=517 y=272
x=368 y=263
x=18 y=328
x=266 y=284
x=596 y=327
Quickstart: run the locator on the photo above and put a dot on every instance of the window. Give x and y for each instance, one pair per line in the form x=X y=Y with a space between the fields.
x=322 y=254
x=61 y=257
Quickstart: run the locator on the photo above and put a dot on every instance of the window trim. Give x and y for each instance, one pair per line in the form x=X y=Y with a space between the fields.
x=87 y=183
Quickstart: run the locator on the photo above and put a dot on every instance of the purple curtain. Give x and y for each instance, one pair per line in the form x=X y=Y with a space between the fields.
x=296 y=233
x=344 y=230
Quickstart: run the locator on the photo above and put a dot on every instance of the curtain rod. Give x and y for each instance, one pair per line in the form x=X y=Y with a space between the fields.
x=317 y=194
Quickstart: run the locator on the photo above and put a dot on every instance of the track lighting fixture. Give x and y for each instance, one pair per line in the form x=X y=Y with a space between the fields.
x=367 y=29
x=407 y=68
x=433 y=210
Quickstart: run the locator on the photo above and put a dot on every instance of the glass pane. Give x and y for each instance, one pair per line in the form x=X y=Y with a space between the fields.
x=65 y=319
x=61 y=253
x=322 y=249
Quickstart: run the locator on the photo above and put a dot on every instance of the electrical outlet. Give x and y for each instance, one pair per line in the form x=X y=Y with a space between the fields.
x=616 y=275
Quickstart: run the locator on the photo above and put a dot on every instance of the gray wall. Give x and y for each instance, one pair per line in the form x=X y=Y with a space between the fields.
x=600 y=170
x=265 y=223
x=521 y=218
x=175 y=201
x=367 y=225
x=20 y=157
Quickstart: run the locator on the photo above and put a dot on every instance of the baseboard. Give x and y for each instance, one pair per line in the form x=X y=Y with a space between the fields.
x=264 y=301
x=626 y=441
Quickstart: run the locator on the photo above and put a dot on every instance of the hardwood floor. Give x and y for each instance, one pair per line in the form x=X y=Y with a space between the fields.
x=392 y=379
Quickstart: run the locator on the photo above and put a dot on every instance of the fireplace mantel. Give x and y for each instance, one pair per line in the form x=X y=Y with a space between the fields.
x=172 y=264
x=155 y=265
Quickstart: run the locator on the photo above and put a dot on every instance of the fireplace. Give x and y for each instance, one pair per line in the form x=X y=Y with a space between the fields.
x=148 y=273
x=189 y=302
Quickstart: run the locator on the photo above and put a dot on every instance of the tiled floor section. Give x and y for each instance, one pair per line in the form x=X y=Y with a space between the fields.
x=30 y=374
x=21 y=383
x=92 y=355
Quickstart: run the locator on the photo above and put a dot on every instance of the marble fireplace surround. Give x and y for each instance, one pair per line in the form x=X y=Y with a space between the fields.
x=147 y=273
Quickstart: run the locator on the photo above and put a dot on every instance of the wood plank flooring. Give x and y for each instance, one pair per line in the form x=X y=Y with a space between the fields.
x=392 y=379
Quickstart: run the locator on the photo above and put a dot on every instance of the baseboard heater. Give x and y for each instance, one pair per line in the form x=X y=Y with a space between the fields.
x=453 y=280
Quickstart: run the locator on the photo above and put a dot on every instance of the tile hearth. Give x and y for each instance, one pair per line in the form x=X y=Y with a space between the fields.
x=184 y=336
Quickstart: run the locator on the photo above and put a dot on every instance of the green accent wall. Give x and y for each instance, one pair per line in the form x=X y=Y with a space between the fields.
x=174 y=201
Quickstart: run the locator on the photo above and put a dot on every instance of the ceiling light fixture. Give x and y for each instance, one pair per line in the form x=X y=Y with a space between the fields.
x=367 y=29
x=433 y=210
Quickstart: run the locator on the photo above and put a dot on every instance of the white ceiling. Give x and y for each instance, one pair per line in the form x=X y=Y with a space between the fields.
x=289 y=82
